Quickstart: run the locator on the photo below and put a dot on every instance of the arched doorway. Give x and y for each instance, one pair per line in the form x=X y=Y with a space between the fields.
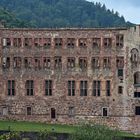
x=53 y=113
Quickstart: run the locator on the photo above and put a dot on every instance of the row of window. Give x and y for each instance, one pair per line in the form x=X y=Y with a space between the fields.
x=71 y=42
x=46 y=62
x=71 y=111
x=71 y=88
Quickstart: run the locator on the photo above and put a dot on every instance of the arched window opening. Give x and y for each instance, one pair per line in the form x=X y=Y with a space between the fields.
x=134 y=56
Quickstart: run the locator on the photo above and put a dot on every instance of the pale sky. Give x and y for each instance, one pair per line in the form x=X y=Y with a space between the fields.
x=130 y=9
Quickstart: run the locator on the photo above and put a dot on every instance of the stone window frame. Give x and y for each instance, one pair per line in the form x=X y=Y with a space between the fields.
x=58 y=42
x=83 y=88
x=96 y=90
x=29 y=87
x=71 y=86
x=28 y=62
x=106 y=113
x=58 y=62
x=71 y=62
x=48 y=87
x=47 y=62
x=120 y=89
x=53 y=115
x=28 y=42
x=47 y=43
x=6 y=62
x=29 y=112
x=120 y=62
x=17 y=62
x=96 y=42
x=107 y=42
x=95 y=62
x=37 y=63
x=107 y=62
x=82 y=43
x=83 y=63
x=37 y=42
x=17 y=42
x=11 y=84
x=119 y=40
x=71 y=42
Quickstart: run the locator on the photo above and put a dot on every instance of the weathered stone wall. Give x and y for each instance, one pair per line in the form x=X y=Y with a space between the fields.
x=121 y=107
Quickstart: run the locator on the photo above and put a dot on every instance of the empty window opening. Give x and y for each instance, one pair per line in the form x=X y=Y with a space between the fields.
x=17 y=42
x=104 y=111
x=70 y=42
x=120 y=73
x=107 y=63
x=29 y=110
x=17 y=62
x=71 y=88
x=120 y=89
x=6 y=62
x=119 y=40
x=48 y=87
x=46 y=62
x=137 y=78
x=82 y=43
x=28 y=62
x=96 y=88
x=108 y=88
x=47 y=42
x=95 y=63
x=53 y=113
x=71 y=63
x=58 y=42
x=29 y=87
x=28 y=42
x=6 y=42
x=96 y=43
x=120 y=62
x=11 y=87
x=37 y=64
x=83 y=63
x=71 y=112
x=83 y=88
x=137 y=110
x=38 y=42
x=134 y=57
x=137 y=94
x=107 y=42
x=58 y=62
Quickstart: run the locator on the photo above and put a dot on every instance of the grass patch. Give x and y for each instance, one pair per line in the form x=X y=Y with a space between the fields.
x=58 y=128
x=36 y=127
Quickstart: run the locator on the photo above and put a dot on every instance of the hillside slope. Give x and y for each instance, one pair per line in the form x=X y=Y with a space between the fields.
x=64 y=13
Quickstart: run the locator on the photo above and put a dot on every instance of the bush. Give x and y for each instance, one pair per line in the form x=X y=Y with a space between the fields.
x=93 y=132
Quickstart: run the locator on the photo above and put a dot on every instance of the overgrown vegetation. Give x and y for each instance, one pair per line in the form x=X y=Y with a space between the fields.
x=10 y=19
x=62 y=13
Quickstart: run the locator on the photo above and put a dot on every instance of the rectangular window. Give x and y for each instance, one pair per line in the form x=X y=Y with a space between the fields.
x=11 y=87
x=6 y=62
x=120 y=72
x=28 y=62
x=47 y=42
x=107 y=42
x=6 y=42
x=37 y=64
x=17 y=62
x=46 y=63
x=104 y=111
x=119 y=40
x=120 y=62
x=95 y=62
x=17 y=42
x=28 y=42
x=29 y=87
x=38 y=42
x=137 y=94
x=107 y=62
x=83 y=88
x=120 y=89
x=96 y=88
x=96 y=42
x=70 y=42
x=83 y=63
x=58 y=62
x=48 y=87
x=83 y=43
x=107 y=88
x=71 y=63
x=71 y=88
x=71 y=112
x=29 y=110
x=137 y=110
x=58 y=42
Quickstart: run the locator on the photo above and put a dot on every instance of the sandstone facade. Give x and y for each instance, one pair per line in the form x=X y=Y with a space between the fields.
x=71 y=75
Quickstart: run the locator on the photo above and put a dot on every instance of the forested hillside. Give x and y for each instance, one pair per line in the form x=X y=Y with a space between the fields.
x=63 y=13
